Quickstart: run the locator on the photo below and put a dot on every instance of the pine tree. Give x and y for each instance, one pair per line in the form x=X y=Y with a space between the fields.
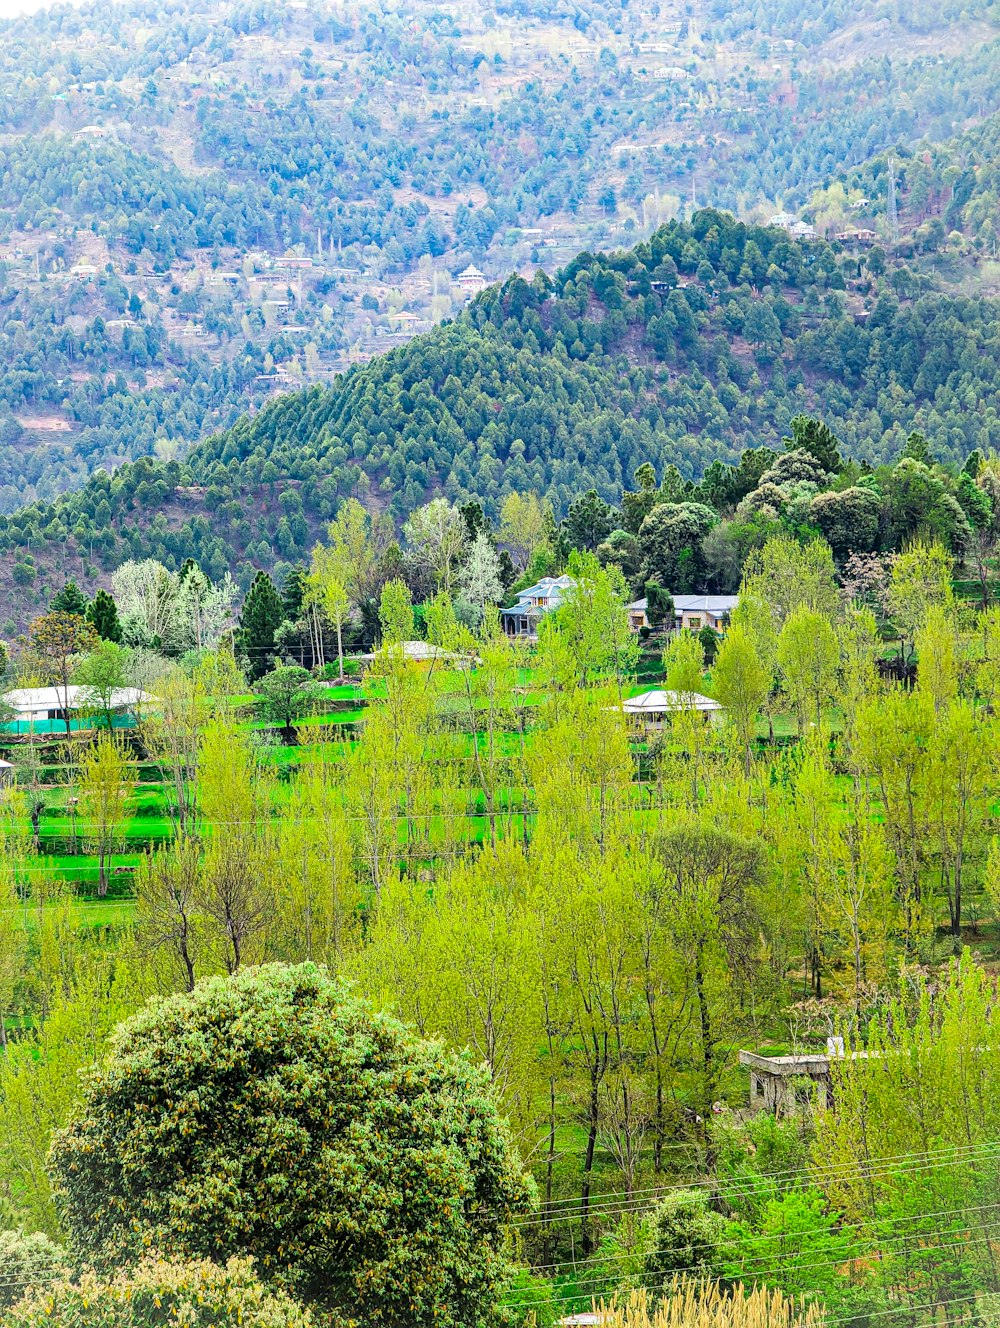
x=102 y=614
x=263 y=612
x=70 y=599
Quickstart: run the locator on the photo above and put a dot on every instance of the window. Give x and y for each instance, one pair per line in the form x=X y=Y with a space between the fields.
x=694 y=624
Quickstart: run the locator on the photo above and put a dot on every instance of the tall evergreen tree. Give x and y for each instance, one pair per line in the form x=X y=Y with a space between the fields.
x=70 y=599
x=263 y=612
x=102 y=614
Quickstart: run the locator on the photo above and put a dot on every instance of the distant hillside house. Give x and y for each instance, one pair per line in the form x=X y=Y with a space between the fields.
x=83 y=270
x=472 y=281
x=43 y=709
x=533 y=604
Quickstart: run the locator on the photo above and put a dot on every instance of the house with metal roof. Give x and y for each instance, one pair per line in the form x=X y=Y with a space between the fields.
x=533 y=604
x=44 y=709
x=692 y=612
x=650 y=710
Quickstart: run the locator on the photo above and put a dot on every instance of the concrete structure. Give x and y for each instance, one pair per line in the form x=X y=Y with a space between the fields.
x=785 y=1085
x=533 y=604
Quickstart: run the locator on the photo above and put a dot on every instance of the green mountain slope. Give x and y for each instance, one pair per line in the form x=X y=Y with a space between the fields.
x=705 y=340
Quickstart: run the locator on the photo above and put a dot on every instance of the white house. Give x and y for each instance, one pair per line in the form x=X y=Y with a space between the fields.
x=35 y=706
x=472 y=281
x=649 y=710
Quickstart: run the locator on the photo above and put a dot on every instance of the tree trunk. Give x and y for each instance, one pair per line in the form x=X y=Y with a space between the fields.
x=586 y=1240
x=707 y=1037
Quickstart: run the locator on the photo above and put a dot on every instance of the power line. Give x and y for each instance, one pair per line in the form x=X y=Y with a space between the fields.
x=784 y=1235
x=870 y=1169
x=754 y=1274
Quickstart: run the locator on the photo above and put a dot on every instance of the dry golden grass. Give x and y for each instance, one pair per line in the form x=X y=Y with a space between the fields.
x=693 y=1304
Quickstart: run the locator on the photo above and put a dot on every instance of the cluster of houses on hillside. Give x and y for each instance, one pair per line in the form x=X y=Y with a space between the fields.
x=691 y=612
x=648 y=712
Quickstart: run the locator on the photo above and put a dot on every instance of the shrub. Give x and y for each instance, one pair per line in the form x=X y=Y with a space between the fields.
x=686 y=1236
x=161 y=1294
x=27 y=1260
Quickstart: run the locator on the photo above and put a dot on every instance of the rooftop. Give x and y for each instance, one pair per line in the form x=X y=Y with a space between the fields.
x=660 y=701
x=716 y=604
x=40 y=700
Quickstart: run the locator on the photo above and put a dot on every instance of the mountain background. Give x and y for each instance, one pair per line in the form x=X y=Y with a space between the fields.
x=232 y=240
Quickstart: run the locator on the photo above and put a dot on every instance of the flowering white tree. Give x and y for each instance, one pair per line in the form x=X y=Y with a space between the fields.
x=480 y=579
x=204 y=611
x=437 y=534
x=146 y=595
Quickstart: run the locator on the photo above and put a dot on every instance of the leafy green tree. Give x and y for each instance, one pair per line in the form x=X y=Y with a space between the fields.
x=283 y=694
x=741 y=684
x=323 y=1117
x=818 y=439
x=263 y=612
x=799 y=1242
x=102 y=614
x=808 y=657
x=659 y=605
x=670 y=543
x=589 y=521
x=101 y=674
x=395 y=613
x=58 y=639
x=106 y=786
x=848 y=520
x=918 y=503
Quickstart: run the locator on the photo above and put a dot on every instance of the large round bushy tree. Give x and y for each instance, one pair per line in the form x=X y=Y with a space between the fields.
x=273 y=1114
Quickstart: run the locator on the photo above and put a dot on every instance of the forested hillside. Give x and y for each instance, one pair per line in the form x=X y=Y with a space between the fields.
x=704 y=341
x=206 y=206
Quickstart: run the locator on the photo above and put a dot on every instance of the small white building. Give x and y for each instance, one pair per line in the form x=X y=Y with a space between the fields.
x=651 y=710
x=472 y=281
x=35 y=707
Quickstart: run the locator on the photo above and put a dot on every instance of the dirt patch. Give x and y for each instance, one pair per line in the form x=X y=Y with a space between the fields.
x=45 y=423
